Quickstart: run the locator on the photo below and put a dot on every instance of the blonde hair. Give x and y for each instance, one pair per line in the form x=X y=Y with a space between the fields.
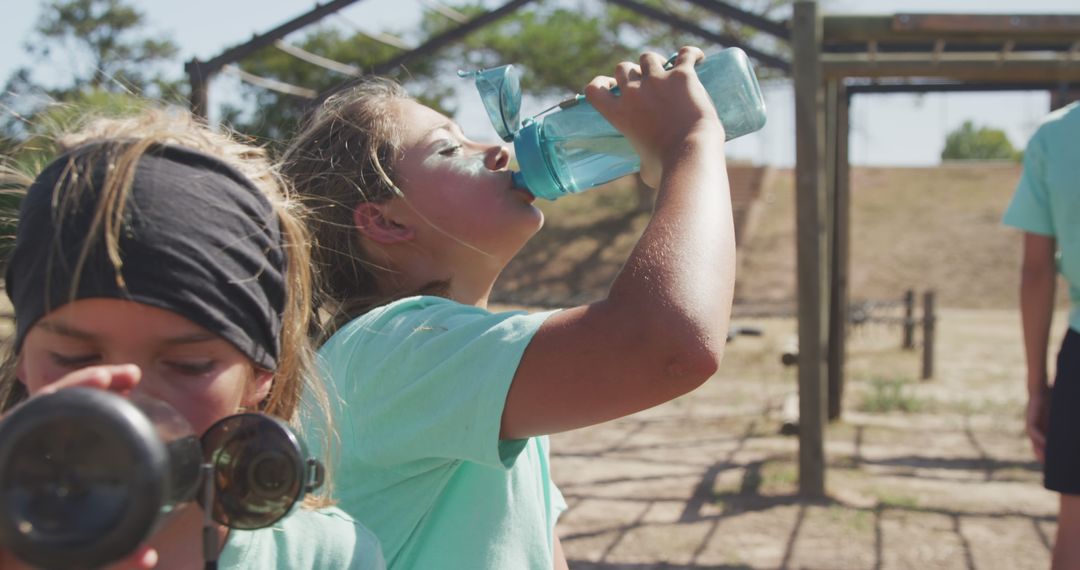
x=344 y=155
x=129 y=139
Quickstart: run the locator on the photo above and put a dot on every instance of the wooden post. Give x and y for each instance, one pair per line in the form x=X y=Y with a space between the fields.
x=909 y=320
x=199 y=83
x=810 y=244
x=928 y=335
x=841 y=222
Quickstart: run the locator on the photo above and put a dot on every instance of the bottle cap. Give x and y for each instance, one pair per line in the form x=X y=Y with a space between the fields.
x=500 y=91
x=535 y=175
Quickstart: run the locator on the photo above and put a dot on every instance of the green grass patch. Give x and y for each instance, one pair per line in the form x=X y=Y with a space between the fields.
x=891 y=395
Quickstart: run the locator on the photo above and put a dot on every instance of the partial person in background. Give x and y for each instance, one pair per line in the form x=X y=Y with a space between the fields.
x=1046 y=207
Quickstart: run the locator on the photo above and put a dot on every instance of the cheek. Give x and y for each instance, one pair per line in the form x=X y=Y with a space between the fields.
x=36 y=373
x=206 y=400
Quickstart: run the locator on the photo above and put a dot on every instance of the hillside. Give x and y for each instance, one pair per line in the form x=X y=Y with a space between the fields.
x=921 y=228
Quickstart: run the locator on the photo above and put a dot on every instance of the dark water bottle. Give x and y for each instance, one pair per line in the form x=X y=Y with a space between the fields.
x=86 y=476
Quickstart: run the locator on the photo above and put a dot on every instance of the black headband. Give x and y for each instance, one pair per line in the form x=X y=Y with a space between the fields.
x=198 y=239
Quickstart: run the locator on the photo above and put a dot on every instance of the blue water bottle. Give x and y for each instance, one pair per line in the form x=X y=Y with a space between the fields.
x=573 y=148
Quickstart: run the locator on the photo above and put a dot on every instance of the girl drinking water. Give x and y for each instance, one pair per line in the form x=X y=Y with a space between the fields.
x=157 y=258
x=444 y=405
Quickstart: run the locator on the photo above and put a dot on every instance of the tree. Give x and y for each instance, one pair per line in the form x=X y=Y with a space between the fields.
x=984 y=143
x=559 y=49
x=274 y=115
x=112 y=54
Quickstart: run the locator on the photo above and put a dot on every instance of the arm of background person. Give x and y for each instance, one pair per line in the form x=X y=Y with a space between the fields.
x=1038 y=282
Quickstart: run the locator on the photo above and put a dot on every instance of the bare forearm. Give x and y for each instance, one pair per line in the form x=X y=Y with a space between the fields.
x=682 y=271
x=1037 y=288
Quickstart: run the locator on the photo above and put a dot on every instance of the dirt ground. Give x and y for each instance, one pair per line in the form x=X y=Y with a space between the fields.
x=921 y=474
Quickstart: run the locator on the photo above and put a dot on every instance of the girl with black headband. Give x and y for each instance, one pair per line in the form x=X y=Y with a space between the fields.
x=156 y=257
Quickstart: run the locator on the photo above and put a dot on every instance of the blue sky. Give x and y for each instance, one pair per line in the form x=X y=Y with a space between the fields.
x=892 y=129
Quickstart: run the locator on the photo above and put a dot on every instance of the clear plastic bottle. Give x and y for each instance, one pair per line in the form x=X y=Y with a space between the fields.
x=574 y=148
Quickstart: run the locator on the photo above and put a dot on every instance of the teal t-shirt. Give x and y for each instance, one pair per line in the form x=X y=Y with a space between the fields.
x=419 y=387
x=1047 y=199
x=304 y=540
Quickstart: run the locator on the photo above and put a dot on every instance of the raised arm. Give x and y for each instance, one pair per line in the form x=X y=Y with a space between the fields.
x=660 y=332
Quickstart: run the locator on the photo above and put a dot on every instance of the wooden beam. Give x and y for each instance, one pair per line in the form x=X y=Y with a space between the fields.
x=978 y=24
x=929 y=27
x=810 y=244
x=951 y=46
x=726 y=40
x=841 y=240
x=199 y=82
x=258 y=42
x=953 y=87
x=201 y=72
x=762 y=23
x=975 y=67
x=448 y=37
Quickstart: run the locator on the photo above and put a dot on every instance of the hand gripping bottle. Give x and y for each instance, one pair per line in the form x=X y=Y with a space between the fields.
x=573 y=148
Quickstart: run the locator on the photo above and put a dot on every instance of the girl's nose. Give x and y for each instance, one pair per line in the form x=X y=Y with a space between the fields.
x=497 y=158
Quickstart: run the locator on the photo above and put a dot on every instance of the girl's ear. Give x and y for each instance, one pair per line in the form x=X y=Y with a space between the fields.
x=258 y=390
x=372 y=222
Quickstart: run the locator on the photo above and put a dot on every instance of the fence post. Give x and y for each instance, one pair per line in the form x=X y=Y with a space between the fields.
x=909 y=319
x=928 y=335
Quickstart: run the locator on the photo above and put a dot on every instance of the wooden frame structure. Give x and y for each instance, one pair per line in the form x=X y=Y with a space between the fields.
x=200 y=73
x=834 y=58
x=837 y=57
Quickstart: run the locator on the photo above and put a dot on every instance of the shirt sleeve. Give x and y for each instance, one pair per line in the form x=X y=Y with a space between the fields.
x=1029 y=209
x=427 y=378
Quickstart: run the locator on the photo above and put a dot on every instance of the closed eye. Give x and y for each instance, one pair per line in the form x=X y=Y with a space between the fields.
x=192 y=368
x=450 y=150
x=74 y=361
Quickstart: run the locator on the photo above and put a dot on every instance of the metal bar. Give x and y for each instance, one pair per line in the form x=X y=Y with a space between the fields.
x=837 y=235
x=318 y=60
x=762 y=23
x=383 y=38
x=928 y=321
x=271 y=84
x=448 y=12
x=258 y=42
x=449 y=36
x=728 y=40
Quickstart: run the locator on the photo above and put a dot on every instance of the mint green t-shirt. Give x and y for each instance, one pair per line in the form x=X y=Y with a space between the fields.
x=1047 y=199
x=305 y=540
x=419 y=388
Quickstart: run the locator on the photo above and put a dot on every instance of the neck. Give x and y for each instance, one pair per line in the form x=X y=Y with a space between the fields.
x=419 y=273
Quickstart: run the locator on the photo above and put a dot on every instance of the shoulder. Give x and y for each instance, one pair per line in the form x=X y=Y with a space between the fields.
x=419 y=319
x=1061 y=123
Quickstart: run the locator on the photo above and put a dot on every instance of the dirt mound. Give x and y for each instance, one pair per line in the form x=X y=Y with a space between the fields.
x=911 y=228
